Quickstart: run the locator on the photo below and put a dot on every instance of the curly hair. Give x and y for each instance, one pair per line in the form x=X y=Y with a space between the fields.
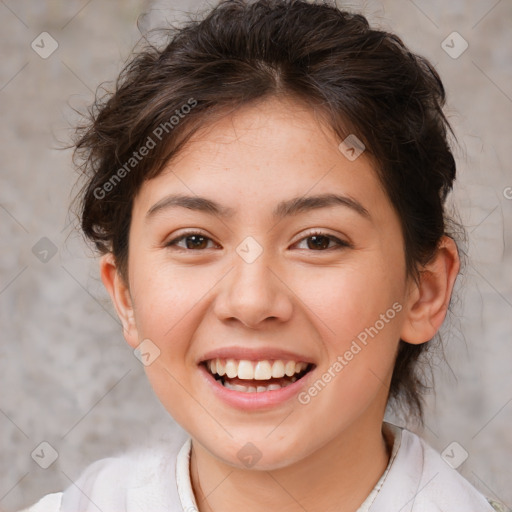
x=364 y=81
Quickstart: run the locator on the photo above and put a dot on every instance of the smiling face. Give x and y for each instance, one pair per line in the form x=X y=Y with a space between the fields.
x=267 y=274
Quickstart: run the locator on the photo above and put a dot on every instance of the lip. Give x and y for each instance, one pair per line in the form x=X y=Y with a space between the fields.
x=251 y=354
x=254 y=401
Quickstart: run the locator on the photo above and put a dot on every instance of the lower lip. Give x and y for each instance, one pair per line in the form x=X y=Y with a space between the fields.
x=254 y=400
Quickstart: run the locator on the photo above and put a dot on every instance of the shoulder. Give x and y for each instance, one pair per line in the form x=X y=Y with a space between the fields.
x=48 y=503
x=92 y=480
x=138 y=476
x=420 y=479
x=457 y=482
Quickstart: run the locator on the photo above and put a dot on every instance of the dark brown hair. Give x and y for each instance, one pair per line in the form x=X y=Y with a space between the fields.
x=364 y=82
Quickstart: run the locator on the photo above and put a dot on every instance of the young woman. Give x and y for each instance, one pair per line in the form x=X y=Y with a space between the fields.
x=267 y=192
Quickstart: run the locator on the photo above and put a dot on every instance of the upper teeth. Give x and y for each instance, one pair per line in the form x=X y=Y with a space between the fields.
x=259 y=370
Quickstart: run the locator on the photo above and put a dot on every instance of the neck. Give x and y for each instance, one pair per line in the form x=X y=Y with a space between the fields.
x=343 y=471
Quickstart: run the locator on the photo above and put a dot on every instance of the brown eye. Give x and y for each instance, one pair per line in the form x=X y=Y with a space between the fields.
x=321 y=242
x=193 y=241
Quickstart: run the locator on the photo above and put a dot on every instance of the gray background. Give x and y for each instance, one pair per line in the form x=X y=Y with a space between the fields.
x=68 y=377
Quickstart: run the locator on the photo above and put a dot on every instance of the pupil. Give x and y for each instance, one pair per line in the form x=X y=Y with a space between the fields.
x=195 y=245
x=319 y=245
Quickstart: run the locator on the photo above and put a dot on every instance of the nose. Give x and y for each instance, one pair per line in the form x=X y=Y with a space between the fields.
x=254 y=294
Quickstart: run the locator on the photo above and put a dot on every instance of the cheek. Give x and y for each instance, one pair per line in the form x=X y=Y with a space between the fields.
x=357 y=312
x=171 y=303
x=164 y=292
x=350 y=298
x=359 y=324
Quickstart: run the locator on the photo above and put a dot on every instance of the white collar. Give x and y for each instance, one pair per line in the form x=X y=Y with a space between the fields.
x=183 y=482
x=416 y=478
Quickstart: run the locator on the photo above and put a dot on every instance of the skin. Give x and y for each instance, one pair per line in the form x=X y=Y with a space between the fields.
x=294 y=295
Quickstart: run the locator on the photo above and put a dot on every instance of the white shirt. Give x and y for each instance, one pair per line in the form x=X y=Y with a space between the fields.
x=416 y=479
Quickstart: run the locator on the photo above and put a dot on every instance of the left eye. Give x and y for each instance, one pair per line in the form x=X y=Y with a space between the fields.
x=322 y=241
x=197 y=241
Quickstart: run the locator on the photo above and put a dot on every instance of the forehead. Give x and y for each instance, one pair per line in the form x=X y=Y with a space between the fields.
x=273 y=130
x=259 y=155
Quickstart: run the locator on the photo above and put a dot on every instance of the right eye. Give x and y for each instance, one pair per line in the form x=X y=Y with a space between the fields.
x=194 y=240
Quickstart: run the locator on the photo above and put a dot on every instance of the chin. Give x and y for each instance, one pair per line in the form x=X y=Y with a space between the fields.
x=258 y=455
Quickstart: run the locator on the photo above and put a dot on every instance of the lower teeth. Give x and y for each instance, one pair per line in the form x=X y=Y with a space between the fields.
x=255 y=389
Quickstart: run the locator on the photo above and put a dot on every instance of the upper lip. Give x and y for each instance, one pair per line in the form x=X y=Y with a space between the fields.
x=252 y=354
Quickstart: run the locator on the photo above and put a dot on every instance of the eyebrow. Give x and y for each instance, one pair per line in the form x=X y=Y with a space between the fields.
x=285 y=208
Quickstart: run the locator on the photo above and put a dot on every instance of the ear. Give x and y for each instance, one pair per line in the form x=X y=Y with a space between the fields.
x=428 y=301
x=121 y=298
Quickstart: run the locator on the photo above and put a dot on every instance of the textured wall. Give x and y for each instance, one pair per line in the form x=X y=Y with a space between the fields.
x=69 y=379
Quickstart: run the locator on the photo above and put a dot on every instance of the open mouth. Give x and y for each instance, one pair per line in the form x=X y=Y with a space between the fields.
x=256 y=376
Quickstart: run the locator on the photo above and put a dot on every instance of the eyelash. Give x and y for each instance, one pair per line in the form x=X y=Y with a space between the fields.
x=341 y=243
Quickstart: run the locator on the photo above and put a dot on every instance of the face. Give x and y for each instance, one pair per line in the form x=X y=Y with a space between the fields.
x=271 y=275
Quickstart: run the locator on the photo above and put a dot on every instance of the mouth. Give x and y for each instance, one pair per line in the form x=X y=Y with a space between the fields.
x=259 y=376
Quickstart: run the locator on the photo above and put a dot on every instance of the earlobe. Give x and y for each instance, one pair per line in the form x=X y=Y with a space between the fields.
x=120 y=296
x=429 y=300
